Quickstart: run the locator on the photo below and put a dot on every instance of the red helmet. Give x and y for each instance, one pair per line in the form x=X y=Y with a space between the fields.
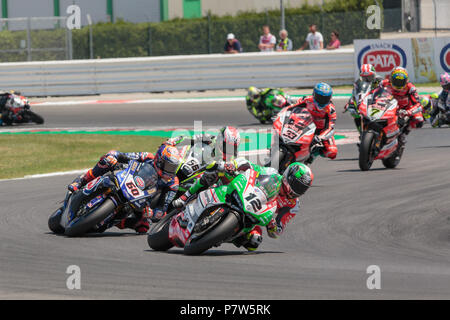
x=167 y=160
x=227 y=143
x=367 y=72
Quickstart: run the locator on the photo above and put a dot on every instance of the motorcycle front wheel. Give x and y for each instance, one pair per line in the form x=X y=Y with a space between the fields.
x=219 y=233
x=366 y=151
x=86 y=222
x=34 y=117
x=158 y=235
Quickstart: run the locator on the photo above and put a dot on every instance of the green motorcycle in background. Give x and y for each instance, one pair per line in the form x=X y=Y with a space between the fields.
x=219 y=215
x=264 y=104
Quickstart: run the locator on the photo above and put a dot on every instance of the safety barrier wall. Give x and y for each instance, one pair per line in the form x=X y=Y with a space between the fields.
x=178 y=73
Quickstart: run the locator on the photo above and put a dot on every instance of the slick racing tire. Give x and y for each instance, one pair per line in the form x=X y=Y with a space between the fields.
x=86 y=222
x=392 y=161
x=54 y=222
x=35 y=117
x=158 y=235
x=219 y=233
x=366 y=148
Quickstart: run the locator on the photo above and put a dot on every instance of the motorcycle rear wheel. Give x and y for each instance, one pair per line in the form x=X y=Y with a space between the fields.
x=221 y=232
x=392 y=161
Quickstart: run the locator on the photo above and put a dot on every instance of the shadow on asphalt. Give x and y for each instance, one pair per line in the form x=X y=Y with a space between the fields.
x=433 y=147
x=108 y=234
x=374 y=169
x=217 y=253
x=346 y=159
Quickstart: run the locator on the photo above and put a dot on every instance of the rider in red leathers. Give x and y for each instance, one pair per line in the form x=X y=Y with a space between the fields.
x=406 y=95
x=324 y=116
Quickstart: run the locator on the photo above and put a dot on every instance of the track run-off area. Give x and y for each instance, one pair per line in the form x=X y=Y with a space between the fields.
x=398 y=220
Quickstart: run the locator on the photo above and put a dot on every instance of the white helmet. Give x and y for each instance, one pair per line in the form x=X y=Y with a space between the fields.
x=227 y=143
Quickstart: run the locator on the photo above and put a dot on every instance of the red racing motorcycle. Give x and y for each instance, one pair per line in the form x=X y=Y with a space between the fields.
x=380 y=129
x=292 y=139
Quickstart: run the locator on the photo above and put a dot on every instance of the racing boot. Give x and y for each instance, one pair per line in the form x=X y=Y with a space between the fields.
x=141 y=226
x=434 y=121
x=251 y=240
x=81 y=181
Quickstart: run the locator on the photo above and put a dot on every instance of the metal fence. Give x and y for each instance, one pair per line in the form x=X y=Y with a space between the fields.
x=37 y=39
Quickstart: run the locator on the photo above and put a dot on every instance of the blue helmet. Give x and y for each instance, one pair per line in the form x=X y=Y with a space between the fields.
x=322 y=94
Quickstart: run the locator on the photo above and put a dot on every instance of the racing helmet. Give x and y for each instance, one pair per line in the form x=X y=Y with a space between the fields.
x=227 y=143
x=322 y=93
x=425 y=101
x=270 y=183
x=444 y=80
x=278 y=101
x=297 y=178
x=167 y=161
x=367 y=72
x=253 y=93
x=399 y=78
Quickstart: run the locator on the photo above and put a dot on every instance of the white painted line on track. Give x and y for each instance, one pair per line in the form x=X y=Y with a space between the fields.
x=148 y=101
x=46 y=175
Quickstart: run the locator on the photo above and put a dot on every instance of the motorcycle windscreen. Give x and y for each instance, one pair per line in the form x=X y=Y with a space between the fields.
x=139 y=183
x=300 y=122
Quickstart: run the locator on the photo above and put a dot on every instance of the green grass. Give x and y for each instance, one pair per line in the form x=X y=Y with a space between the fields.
x=23 y=155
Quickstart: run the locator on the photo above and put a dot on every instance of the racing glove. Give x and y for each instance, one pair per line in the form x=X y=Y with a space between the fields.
x=181 y=201
x=272 y=229
x=404 y=113
x=156 y=214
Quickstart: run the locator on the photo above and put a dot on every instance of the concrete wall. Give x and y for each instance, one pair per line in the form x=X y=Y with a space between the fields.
x=129 y=10
x=232 y=7
x=427 y=17
x=137 y=10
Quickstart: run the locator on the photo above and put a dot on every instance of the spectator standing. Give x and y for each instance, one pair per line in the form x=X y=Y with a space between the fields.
x=314 y=39
x=232 y=45
x=334 y=43
x=267 y=41
x=285 y=44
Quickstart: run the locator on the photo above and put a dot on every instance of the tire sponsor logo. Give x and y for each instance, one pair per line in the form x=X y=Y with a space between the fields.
x=383 y=56
x=444 y=58
x=140 y=183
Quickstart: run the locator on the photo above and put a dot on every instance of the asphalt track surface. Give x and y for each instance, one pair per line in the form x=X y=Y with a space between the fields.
x=396 y=219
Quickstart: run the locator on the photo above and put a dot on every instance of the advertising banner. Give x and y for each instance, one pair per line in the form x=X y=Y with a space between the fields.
x=424 y=58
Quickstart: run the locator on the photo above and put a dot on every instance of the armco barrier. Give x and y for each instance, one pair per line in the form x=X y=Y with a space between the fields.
x=176 y=73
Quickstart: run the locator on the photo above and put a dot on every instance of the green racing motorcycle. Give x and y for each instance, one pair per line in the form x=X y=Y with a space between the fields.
x=218 y=215
x=265 y=104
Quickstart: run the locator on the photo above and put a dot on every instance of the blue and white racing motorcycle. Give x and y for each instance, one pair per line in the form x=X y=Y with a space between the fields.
x=106 y=200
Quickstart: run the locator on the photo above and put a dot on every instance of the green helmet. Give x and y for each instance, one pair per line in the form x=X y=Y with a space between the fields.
x=297 y=178
x=424 y=101
x=253 y=93
x=270 y=183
